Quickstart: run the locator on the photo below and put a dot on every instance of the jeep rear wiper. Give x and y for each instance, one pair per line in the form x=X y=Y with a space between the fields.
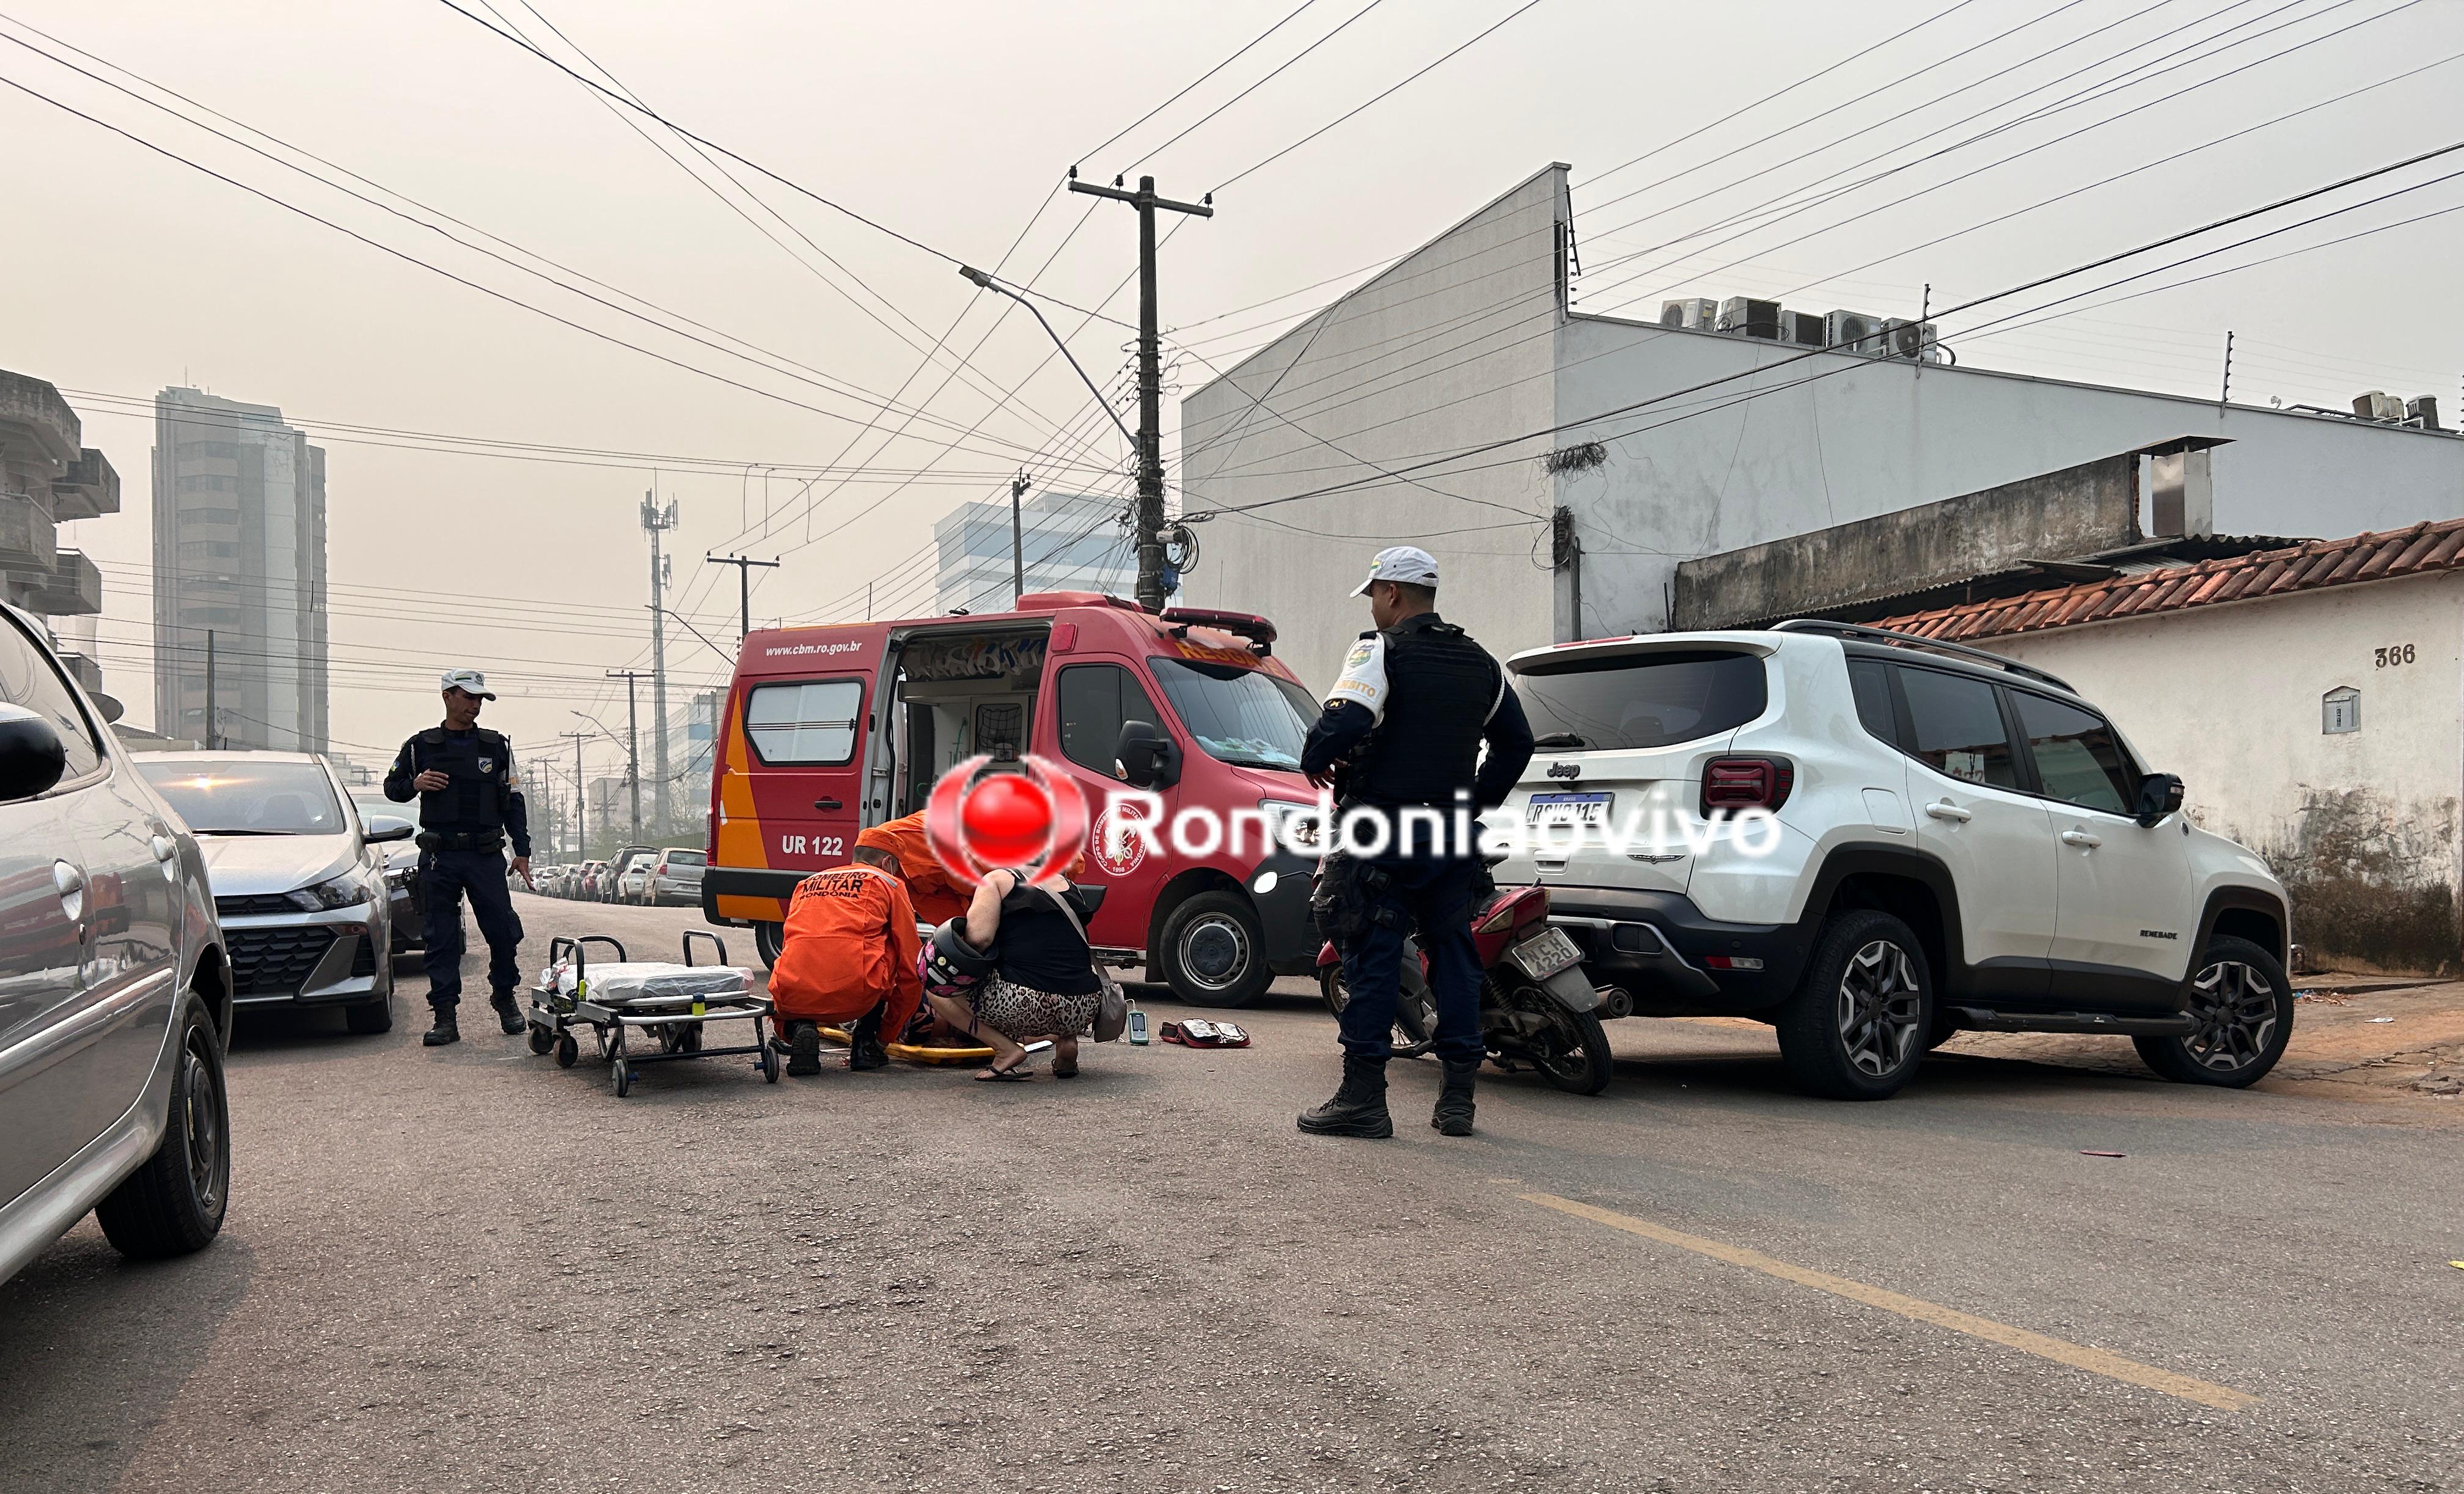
x=1558 y=739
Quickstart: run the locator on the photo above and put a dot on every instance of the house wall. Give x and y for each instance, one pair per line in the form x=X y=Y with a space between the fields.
x=1701 y=473
x=1449 y=348
x=2363 y=827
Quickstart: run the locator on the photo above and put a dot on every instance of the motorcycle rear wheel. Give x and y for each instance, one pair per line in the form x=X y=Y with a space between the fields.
x=1572 y=1054
x=1408 y=1039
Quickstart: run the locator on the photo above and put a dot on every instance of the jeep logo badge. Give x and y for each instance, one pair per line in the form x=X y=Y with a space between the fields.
x=1565 y=770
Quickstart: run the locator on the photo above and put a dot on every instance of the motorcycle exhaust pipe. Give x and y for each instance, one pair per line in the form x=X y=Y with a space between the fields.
x=1616 y=1001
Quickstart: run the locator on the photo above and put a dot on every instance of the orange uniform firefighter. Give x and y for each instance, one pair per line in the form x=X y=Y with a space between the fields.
x=937 y=897
x=849 y=959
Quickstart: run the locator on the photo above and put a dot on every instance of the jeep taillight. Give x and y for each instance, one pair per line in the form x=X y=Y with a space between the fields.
x=1731 y=785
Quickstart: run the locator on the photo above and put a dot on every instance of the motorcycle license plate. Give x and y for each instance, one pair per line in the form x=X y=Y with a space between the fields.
x=1566 y=809
x=1546 y=953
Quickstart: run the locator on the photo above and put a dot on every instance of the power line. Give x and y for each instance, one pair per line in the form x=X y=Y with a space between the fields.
x=1379 y=98
x=1192 y=83
x=1339 y=30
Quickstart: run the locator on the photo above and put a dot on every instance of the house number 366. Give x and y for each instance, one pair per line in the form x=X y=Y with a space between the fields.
x=2394 y=654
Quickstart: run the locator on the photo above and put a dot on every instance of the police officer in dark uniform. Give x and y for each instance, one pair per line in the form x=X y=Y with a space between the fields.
x=1403 y=727
x=469 y=805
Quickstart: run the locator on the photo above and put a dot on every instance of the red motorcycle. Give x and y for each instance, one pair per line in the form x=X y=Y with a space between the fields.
x=1537 y=1007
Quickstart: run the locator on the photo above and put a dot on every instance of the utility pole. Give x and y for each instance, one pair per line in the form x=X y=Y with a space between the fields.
x=211 y=745
x=743 y=581
x=1150 y=511
x=1016 y=540
x=580 y=810
x=633 y=744
x=656 y=520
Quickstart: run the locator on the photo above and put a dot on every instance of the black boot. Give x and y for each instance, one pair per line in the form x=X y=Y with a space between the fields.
x=447 y=1030
x=509 y=1014
x=1453 y=1114
x=1358 y=1107
x=804 y=1049
x=864 y=1043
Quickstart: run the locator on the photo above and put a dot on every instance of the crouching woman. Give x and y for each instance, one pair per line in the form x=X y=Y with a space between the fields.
x=1043 y=983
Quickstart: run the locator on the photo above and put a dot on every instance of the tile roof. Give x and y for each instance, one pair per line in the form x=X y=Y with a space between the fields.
x=2265 y=573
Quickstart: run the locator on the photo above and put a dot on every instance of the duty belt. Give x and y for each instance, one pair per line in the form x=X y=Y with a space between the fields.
x=461 y=839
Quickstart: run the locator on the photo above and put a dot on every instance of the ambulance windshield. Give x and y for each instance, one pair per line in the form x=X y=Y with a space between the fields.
x=1246 y=717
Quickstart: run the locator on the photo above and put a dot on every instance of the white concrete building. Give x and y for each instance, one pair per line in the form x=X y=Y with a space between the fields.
x=1423 y=407
x=2309 y=700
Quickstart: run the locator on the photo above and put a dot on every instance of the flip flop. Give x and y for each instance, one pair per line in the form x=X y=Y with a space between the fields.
x=1013 y=1074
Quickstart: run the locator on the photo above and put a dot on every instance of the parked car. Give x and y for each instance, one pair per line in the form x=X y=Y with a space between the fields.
x=1962 y=842
x=115 y=998
x=675 y=879
x=299 y=881
x=401 y=872
x=585 y=880
x=617 y=882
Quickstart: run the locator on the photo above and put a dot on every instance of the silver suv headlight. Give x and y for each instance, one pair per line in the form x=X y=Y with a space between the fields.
x=338 y=892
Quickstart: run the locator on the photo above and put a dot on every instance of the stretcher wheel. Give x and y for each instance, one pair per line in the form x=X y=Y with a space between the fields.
x=769 y=1065
x=623 y=1073
x=566 y=1051
x=541 y=1038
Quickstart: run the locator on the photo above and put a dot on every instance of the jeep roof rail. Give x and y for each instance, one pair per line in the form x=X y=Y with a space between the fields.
x=1885 y=635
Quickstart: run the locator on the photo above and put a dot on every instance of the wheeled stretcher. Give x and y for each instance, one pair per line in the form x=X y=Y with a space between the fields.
x=645 y=1011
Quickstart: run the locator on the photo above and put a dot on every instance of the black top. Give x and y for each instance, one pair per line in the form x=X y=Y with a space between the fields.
x=484 y=799
x=1038 y=948
x=1445 y=697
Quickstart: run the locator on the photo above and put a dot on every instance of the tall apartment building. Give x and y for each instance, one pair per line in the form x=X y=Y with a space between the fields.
x=1071 y=542
x=239 y=554
x=47 y=479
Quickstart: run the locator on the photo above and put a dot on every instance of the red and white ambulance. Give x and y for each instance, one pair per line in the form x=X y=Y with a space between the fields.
x=829 y=730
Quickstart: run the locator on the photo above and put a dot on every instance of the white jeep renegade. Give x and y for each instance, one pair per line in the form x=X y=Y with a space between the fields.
x=1947 y=840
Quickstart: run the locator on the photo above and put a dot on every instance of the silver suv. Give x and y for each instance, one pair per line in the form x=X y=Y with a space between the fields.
x=115 y=998
x=1872 y=841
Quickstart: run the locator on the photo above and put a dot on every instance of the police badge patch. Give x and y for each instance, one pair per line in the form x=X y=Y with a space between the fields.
x=487 y=764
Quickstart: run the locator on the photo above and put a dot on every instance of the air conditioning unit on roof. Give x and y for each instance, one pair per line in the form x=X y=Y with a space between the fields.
x=1802 y=328
x=1913 y=340
x=2378 y=404
x=1696 y=314
x=1742 y=315
x=1853 y=332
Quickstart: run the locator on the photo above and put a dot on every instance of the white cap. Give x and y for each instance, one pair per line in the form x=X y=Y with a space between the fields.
x=1403 y=563
x=471 y=682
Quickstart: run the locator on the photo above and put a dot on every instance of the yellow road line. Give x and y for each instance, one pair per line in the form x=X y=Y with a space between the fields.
x=2079 y=1356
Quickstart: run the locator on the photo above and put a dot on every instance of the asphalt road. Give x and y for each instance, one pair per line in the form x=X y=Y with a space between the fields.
x=468 y=1269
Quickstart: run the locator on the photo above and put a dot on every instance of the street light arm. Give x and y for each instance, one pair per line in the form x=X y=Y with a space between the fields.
x=986 y=282
x=695 y=631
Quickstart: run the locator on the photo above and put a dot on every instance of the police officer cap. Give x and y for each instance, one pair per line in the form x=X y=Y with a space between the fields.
x=471 y=682
x=1407 y=564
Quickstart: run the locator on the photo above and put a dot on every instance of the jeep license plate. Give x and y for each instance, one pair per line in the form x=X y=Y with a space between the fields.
x=1546 y=953
x=1566 y=809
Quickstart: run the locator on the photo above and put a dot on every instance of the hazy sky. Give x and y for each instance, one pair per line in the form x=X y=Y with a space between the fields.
x=952 y=124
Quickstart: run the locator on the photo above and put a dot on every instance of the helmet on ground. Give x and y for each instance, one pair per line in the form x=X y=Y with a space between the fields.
x=950 y=966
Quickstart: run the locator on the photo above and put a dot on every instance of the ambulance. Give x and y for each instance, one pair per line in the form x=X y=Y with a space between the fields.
x=829 y=730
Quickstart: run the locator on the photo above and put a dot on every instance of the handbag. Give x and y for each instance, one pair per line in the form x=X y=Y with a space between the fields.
x=1112 y=1011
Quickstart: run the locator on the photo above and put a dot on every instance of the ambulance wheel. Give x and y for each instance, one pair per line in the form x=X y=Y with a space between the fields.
x=541 y=1038
x=1214 y=951
x=566 y=1051
x=768 y=938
